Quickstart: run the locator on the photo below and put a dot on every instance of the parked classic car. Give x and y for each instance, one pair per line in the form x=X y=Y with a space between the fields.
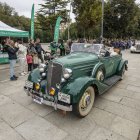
x=135 y=48
x=70 y=83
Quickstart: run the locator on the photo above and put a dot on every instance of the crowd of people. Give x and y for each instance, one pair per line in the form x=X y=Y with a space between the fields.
x=31 y=54
x=119 y=43
x=115 y=43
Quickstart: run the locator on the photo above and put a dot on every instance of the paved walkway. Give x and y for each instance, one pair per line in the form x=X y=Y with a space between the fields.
x=115 y=116
x=6 y=66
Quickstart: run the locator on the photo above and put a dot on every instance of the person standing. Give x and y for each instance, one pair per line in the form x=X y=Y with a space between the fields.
x=62 y=49
x=68 y=46
x=129 y=43
x=22 y=52
x=53 y=48
x=29 y=61
x=12 y=50
x=39 y=49
x=31 y=47
x=35 y=61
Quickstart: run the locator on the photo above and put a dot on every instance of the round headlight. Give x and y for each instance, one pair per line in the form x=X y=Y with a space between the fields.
x=67 y=73
x=41 y=69
x=63 y=80
x=42 y=65
x=43 y=74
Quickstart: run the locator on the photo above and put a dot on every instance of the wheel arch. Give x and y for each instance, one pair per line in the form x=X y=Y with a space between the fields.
x=96 y=67
x=122 y=64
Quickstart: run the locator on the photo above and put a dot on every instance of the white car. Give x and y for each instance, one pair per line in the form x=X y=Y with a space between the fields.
x=135 y=48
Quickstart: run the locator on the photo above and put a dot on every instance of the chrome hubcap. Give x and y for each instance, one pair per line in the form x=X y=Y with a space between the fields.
x=86 y=99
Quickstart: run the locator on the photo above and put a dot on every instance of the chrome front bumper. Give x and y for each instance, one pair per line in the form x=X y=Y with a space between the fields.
x=50 y=103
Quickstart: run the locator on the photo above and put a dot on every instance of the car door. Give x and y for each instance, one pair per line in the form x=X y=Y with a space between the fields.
x=109 y=65
x=116 y=60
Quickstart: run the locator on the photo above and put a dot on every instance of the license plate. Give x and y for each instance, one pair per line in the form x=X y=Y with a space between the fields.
x=29 y=84
x=64 y=97
x=37 y=99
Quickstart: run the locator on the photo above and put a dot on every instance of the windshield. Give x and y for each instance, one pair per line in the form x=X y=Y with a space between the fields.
x=82 y=47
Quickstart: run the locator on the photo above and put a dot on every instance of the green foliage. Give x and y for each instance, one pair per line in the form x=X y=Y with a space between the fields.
x=48 y=14
x=121 y=18
x=88 y=17
x=10 y=17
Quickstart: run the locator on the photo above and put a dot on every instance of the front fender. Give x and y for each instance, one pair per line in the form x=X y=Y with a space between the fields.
x=34 y=76
x=121 y=65
x=76 y=87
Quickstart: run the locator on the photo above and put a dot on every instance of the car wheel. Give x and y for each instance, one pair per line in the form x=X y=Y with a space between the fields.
x=84 y=106
x=122 y=73
x=100 y=75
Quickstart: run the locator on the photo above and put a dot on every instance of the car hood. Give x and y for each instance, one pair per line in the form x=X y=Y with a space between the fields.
x=76 y=58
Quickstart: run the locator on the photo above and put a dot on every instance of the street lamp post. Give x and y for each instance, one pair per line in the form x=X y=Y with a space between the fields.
x=69 y=22
x=102 y=22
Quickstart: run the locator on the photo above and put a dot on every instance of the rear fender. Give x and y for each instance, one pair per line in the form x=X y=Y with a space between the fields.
x=122 y=64
x=77 y=87
x=96 y=67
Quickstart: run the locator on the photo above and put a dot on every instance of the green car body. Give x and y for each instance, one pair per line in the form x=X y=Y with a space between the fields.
x=84 y=68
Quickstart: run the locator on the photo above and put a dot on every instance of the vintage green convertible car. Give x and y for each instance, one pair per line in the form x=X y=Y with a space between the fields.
x=70 y=83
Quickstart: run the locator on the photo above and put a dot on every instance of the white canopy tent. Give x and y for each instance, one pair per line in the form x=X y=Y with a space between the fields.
x=6 y=30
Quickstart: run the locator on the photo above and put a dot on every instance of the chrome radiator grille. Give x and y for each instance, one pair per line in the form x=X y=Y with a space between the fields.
x=54 y=75
x=138 y=47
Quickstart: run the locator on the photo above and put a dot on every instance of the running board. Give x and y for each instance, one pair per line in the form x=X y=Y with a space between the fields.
x=112 y=80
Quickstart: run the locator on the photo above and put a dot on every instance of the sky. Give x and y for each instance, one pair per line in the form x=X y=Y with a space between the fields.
x=23 y=7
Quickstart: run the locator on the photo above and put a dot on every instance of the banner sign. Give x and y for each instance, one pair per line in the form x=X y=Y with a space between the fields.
x=57 y=26
x=32 y=23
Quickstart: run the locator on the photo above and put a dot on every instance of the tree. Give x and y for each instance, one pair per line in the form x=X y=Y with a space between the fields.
x=88 y=16
x=121 y=18
x=47 y=16
x=9 y=16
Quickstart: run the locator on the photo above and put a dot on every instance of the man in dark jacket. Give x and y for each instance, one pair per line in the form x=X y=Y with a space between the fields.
x=62 y=49
x=39 y=49
x=12 y=50
x=31 y=47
